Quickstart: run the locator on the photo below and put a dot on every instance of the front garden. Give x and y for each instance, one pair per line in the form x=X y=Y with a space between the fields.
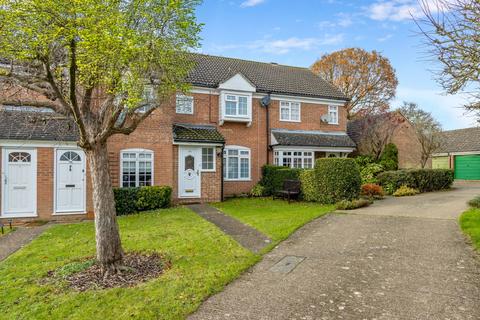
x=470 y=222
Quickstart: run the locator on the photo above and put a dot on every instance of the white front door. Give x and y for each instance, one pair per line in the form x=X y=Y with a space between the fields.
x=189 y=172
x=70 y=181
x=19 y=181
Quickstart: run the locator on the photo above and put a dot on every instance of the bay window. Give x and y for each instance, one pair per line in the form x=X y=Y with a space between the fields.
x=294 y=159
x=136 y=167
x=236 y=163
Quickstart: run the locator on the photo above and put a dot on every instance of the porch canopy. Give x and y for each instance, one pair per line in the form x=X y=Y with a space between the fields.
x=195 y=133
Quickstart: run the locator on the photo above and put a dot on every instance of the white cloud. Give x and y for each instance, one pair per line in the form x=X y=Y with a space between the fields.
x=448 y=109
x=251 y=3
x=400 y=10
x=385 y=38
x=282 y=46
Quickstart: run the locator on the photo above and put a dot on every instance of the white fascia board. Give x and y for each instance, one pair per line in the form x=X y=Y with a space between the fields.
x=466 y=153
x=37 y=143
x=320 y=149
x=200 y=144
x=301 y=99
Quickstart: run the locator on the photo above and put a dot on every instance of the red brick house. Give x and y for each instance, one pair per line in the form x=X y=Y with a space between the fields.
x=390 y=127
x=206 y=144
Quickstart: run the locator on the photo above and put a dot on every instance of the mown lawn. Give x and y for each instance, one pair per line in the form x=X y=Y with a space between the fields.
x=275 y=218
x=470 y=224
x=203 y=261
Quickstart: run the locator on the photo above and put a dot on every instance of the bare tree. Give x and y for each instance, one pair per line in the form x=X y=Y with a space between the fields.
x=91 y=61
x=428 y=130
x=376 y=132
x=452 y=32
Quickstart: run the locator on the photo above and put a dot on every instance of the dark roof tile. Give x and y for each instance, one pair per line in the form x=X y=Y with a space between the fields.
x=210 y=71
x=460 y=140
x=312 y=139
x=196 y=133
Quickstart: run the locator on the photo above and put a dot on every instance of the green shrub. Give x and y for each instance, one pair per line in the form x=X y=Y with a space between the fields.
x=132 y=200
x=257 y=191
x=337 y=179
x=372 y=191
x=389 y=157
x=475 y=202
x=364 y=160
x=309 y=186
x=154 y=197
x=125 y=200
x=370 y=172
x=424 y=180
x=352 y=204
x=404 y=191
x=274 y=176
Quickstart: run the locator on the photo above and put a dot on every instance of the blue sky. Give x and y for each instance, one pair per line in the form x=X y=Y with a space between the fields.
x=297 y=32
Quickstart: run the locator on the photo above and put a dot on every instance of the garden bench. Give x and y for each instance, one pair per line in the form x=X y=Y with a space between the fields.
x=291 y=189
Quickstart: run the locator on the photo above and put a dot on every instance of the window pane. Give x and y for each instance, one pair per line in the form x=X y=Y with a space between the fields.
x=307 y=163
x=287 y=162
x=232 y=168
x=295 y=112
x=285 y=114
x=244 y=168
x=207 y=158
x=136 y=169
x=230 y=108
x=184 y=104
x=242 y=106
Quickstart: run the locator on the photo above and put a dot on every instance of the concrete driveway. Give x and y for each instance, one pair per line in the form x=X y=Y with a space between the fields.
x=398 y=259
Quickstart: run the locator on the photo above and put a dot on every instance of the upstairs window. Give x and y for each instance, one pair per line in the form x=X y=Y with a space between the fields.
x=333 y=114
x=236 y=105
x=236 y=163
x=136 y=168
x=184 y=104
x=289 y=111
x=149 y=99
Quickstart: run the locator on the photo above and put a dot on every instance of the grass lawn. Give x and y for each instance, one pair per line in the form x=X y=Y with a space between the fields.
x=6 y=230
x=203 y=261
x=470 y=224
x=275 y=218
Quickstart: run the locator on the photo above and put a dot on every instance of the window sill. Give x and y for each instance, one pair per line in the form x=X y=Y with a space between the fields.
x=237 y=180
x=296 y=121
x=185 y=113
x=208 y=170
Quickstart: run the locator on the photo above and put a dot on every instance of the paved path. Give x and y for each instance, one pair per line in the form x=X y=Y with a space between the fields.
x=17 y=239
x=384 y=262
x=247 y=236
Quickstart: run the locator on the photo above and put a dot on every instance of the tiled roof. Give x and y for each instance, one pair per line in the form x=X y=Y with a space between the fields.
x=461 y=140
x=210 y=71
x=312 y=139
x=196 y=133
x=43 y=126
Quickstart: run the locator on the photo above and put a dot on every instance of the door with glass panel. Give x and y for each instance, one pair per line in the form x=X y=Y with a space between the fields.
x=189 y=172
x=70 y=181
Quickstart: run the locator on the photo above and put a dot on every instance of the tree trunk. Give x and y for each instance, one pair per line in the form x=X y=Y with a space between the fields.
x=107 y=235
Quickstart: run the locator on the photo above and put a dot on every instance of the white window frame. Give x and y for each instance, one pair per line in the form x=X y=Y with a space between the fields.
x=214 y=159
x=185 y=98
x=137 y=151
x=288 y=105
x=148 y=96
x=332 y=109
x=279 y=155
x=226 y=158
x=236 y=117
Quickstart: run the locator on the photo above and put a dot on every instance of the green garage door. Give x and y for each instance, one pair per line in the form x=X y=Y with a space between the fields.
x=467 y=167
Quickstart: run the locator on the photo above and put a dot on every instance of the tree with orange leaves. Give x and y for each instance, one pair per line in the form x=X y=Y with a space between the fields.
x=367 y=78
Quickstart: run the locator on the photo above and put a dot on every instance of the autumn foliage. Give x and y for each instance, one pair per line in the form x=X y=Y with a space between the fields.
x=367 y=78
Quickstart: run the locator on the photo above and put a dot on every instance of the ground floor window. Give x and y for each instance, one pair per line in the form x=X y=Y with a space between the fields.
x=136 y=168
x=208 y=159
x=236 y=163
x=294 y=159
x=336 y=154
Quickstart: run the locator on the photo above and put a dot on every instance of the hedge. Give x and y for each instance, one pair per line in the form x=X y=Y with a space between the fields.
x=337 y=179
x=274 y=176
x=309 y=187
x=424 y=180
x=131 y=200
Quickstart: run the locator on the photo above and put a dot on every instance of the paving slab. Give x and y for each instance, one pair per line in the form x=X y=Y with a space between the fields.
x=364 y=266
x=18 y=239
x=247 y=236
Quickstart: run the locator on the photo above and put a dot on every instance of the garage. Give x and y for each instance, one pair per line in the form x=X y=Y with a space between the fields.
x=467 y=167
x=440 y=163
